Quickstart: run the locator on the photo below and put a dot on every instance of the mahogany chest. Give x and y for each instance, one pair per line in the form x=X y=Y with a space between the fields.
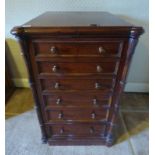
x=77 y=63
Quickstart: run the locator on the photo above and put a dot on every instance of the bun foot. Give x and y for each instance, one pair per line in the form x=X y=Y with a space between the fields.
x=109 y=140
x=44 y=140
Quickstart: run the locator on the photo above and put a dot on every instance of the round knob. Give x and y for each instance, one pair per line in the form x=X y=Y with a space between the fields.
x=99 y=68
x=53 y=50
x=95 y=101
x=61 y=130
x=58 y=101
x=101 y=50
x=60 y=115
x=93 y=115
x=55 y=68
x=57 y=85
x=92 y=130
x=97 y=85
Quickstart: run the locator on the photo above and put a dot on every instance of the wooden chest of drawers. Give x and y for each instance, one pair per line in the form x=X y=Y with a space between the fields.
x=77 y=65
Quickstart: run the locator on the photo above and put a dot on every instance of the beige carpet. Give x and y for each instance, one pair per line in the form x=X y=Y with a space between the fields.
x=23 y=138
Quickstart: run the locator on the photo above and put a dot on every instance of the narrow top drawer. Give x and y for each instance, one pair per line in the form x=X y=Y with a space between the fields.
x=78 y=48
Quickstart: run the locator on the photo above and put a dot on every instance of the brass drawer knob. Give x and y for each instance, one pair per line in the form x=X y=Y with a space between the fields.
x=61 y=130
x=55 y=68
x=57 y=85
x=95 y=101
x=53 y=50
x=97 y=85
x=101 y=50
x=58 y=101
x=60 y=116
x=93 y=115
x=99 y=68
x=92 y=130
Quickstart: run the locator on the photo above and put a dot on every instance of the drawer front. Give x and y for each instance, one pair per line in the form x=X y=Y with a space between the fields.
x=77 y=98
x=76 y=84
x=63 y=68
x=55 y=49
x=76 y=114
x=105 y=48
x=76 y=130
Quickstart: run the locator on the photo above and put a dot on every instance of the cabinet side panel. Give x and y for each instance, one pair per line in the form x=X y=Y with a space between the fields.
x=126 y=57
x=24 y=43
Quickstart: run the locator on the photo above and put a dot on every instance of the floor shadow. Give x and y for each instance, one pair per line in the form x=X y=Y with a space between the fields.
x=131 y=124
x=20 y=102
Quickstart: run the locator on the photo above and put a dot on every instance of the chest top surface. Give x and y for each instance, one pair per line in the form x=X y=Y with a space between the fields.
x=72 y=19
x=98 y=23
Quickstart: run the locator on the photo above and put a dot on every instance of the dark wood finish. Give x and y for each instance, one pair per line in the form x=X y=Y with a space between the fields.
x=78 y=48
x=81 y=68
x=85 y=19
x=73 y=84
x=73 y=130
x=64 y=98
x=77 y=64
x=75 y=114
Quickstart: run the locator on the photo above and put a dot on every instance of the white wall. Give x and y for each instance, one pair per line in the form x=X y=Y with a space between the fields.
x=134 y=11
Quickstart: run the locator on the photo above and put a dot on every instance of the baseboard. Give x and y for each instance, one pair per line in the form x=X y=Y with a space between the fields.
x=130 y=86
x=21 y=82
x=136 y=87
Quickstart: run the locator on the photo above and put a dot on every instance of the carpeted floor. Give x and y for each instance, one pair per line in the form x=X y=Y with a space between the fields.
x=23 y=132
x=23 y=138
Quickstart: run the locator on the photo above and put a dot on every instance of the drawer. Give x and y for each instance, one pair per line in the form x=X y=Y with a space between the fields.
x=76 y=84
x=76 y=114
x=101 y=48
x=63 y=98
x=82 y=68
x=89 y=129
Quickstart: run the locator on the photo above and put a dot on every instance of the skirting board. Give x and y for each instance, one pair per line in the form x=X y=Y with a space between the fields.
x=130 y=86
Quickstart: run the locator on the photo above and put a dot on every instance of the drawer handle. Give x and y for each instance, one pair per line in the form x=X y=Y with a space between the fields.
x=92 y=130
x=55 y=68
x=58 y=101
x=93 y=115
x=53 y=50
x=99 y=68
x=57 y=85
x=97 y=85
x=95 y=101
x=61 y=130
x=60 y=116
x=101 y=50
